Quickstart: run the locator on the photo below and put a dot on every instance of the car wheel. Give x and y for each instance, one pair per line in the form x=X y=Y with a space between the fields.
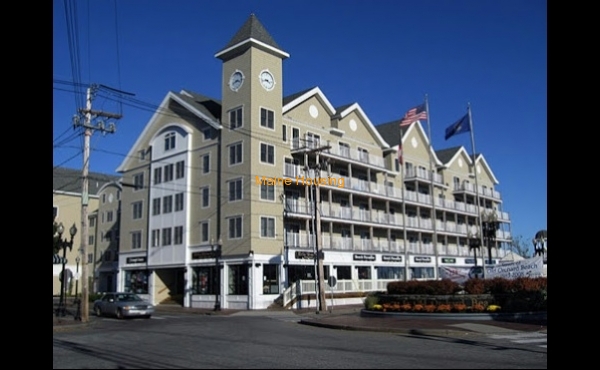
x=98 y=311
x=119 y=313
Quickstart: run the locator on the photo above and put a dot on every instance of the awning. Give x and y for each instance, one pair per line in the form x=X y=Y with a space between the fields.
x=58 y=260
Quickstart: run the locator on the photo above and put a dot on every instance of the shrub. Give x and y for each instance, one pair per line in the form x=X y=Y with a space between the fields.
x=370 y=301
x=443 y=308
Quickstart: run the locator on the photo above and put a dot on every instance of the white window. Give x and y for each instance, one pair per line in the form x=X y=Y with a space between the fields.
x=284 y=133
x=138 y=181
x=155 y=237
x=344 y=150
x=168 y=204
x=204 y=232
x=169 y=172
x=235 y=189
x=178 y=235
x=205 y=197
x=109 y=216
x=207 y=132
x=156 y=206
x=179 y=169
x=235 y=227
x=267 y=192
x=169 y=141
x=92 y=221
x=179 y=202
x=103 y=198
x=206 y=163
x=267 y=153
x=235 y=118
x=166 y=236
x=137 y=210
x=158 y=175
x=267 y=227
x=267 y=118
x=235 y=154
x=136 y=240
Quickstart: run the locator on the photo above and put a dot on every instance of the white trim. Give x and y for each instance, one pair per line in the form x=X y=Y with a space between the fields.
x=241 y=227
x=241 y=179
x=281 y=53
x=209 y=166
x=156 y=116
x=240 y=107
x=336 y=131
x=480 y=158
x=241 y=142
x=370 y=127
x=260 y=143
x=274 y=227
x=207 y=221
x=202 y=196
x=316 y=91
x=260 y=193
x=260 y=118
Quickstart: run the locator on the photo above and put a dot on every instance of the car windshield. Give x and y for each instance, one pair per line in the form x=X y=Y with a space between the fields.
x=127 y=297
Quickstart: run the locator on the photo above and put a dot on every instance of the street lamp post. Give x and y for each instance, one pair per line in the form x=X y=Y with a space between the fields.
x=64 y=244
x=217 y=253
x=77 y=300
x=489 y=224
x=474 y=244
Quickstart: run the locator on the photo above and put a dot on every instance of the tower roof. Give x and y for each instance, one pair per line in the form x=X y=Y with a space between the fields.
x=251 y=32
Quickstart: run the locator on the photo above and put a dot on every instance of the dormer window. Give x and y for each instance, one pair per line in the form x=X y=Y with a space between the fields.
x=169 y=141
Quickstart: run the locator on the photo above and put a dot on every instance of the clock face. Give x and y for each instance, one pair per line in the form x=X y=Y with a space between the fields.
x=267 y=80
x=236 y=80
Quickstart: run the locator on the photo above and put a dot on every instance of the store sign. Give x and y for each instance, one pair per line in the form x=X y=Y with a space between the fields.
x=136 y=260
x=448 y=260
x=422 y=259
x=305 y=255
x=387 y=258
x=363 y=257
x=469 y=261
x=204 y=255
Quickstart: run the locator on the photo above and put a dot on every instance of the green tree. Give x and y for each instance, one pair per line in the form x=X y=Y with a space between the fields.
x=520 y=246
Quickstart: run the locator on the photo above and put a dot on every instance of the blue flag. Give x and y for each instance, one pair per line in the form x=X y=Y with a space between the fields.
x=459 y=127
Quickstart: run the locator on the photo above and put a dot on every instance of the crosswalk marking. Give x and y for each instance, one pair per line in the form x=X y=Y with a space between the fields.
x=524 y=338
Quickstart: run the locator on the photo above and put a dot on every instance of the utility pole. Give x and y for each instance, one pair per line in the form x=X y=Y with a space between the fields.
x=322 y=304
x=89 y=127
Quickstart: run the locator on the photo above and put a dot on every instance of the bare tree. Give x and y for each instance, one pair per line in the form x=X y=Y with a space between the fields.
x=520 y=246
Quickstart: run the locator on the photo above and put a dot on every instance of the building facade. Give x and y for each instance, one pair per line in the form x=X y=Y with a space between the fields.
x=227 y=202
x=66 y=201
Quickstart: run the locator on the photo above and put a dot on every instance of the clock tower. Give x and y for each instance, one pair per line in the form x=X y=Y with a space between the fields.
x=251 y=134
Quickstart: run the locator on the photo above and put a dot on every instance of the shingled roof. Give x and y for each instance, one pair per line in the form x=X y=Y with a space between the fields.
x=445 y=155
x=391 y=131
x=255 y=30
x=209 y=106
x=69 y=180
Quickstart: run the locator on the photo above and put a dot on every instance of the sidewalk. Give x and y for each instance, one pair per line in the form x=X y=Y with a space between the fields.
x=346 y=318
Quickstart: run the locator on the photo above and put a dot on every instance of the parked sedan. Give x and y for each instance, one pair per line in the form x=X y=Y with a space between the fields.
x=123 y=305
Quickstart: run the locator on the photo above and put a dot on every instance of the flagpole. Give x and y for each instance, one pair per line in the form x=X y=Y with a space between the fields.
x=476 y=184
x=403 y=208
x=431 y=192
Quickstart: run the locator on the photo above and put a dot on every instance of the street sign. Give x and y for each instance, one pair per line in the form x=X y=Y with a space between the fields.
x=331 y=281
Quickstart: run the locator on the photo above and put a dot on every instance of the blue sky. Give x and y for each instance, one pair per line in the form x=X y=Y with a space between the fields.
x=384 y=55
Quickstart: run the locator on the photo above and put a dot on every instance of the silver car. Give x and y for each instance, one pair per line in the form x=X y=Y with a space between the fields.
x=123 y=305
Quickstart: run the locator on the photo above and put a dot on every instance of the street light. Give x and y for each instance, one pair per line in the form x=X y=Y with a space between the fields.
x=539 y=243
x=474 y=244
x=64 y=244
x=77 y=300
x=490 y=224
x=217 y=253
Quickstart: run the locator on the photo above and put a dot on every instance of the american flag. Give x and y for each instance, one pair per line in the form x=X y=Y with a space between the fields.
x=414 y=114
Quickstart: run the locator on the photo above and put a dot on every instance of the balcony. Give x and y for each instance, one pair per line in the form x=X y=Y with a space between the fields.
x=356 y=156
x=292 y=170
x=341 y=243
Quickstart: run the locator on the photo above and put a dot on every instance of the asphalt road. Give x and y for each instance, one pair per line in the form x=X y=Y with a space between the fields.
x=276 y=340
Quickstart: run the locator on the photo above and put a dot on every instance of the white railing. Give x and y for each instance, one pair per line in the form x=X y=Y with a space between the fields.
x=292 y=170
x=426 y=223
x=412 y=221
x=410 y=195
x=341 y=243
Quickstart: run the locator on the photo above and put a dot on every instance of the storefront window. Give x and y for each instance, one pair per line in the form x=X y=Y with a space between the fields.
x=305 y=272
x=421 y=272
x=205 y=280
x=136 y=281
x=238 y=279
x=344 y=273
x=364 y=272
x=270 y=279
x=387 y=272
